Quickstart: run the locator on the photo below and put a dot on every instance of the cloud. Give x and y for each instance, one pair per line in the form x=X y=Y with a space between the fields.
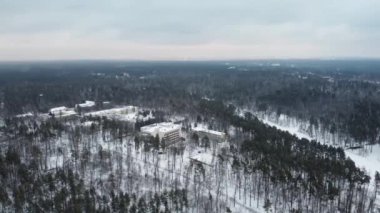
x=257 y=28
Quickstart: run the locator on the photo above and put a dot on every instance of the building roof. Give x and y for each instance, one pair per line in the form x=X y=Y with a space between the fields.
x=162 y=128
x=62 y=111
x=87 y=104
x=58 y=109
x=127 y=113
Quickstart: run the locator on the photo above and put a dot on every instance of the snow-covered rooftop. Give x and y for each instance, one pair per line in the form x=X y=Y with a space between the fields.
x=62 y=111
x=127 y=113
x=87 y=104
x=160 y=128
x=58 y=109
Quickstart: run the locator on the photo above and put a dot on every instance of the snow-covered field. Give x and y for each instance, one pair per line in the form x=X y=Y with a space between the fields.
x=370 y=161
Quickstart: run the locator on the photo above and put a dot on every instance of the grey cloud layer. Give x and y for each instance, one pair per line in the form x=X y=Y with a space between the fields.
x=330 y=23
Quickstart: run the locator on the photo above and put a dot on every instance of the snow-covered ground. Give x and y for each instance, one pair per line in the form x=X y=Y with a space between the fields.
x=291 y=129
x=209 y=131
x=28 y=114
x=370 y=161
x=145 y=171
x=153 y=170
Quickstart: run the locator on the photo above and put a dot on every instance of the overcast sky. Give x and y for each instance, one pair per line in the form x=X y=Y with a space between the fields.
x=188 y=29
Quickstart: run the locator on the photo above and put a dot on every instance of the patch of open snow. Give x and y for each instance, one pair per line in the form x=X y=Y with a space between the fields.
x=291 y=130
x=205 y=158
x=213 y=132
x=370 y=161
x=29 y=114
x=88 y=123
x=54 y=162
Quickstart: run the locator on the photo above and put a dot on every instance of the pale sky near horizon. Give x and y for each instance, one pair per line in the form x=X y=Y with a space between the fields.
x=191 y=29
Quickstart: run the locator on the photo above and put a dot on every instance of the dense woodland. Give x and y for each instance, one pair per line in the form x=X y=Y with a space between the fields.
x=340 y=96
x=107 y=167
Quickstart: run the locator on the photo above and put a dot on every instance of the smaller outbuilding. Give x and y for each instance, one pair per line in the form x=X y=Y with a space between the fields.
x=62 y=111
x=85 y=107
x=211 y=134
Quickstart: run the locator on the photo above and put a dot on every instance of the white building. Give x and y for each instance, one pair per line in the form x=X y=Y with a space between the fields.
x=127 y=113
x=85 y=107
x=166 y=131
x=211 y=134
x=62 y=111
x=86 y=104
x=57 y=110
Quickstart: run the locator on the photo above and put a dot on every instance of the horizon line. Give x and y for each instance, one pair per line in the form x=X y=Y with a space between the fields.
x=190 y=60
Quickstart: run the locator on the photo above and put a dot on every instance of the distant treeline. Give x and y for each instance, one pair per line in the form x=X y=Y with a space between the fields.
x=333 y=96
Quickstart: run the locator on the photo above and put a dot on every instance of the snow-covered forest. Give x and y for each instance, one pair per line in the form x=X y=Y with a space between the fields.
x=252 y=138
